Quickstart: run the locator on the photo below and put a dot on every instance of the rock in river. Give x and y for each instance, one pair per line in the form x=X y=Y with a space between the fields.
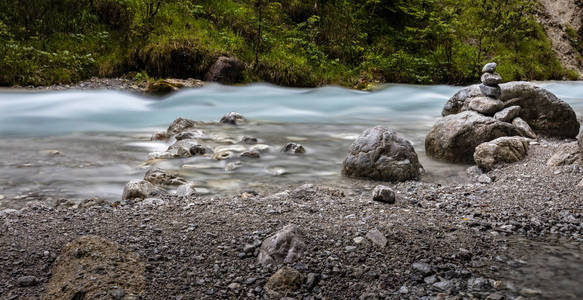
x=179 y=125
x=543 y=111
x=137 y=189
x=293 y=148
x=381 y=154
x=285 y=246
x=91 y=267
x=454 y=137
x=160 y=177
x=233 y=118
x=500 y=150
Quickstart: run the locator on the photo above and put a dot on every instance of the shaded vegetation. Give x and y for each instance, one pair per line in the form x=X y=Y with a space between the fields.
x=287 y=42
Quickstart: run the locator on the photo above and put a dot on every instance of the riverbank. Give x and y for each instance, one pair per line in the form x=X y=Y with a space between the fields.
x=520 y=235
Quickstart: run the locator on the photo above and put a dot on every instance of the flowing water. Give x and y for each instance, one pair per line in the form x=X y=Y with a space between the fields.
x=103 y=137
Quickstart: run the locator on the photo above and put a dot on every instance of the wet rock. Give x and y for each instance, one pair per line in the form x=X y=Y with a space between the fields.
x=188 y=148
x=491 y=79
x=491 y=91
x=455 y=137
x=524 y=128
x=250 y=154
x=191 y=135
x=293 y=148
x=489 y=68
x=486 y=106
x=376 y=237
x=286 y=280
x=541 y=109
x=161 y=87
x=381 y=154
x=180 y=125
x=223 y=155
x=27 y=281
x=233 y=118
x=137 y=189
x=186 y=190
x=508 y=114
x=566 y=154
x=161 y=155
x=90 y=267
x=249 y=140
x=159 y=136
x=226 y=70
x=286 y=246
x=501 y=150
x=158 y=176
x=383 y=194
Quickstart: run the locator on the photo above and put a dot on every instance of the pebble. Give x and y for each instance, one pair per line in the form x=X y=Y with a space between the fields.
x=484 y=179
x=27 y=281
x=358 y=240
x=117 y=293
x=443 y=285
x=375 y=236
x=422 y=268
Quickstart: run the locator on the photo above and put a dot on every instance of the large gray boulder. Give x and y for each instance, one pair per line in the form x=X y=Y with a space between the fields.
x=454 y=137
x=501 y=150
x=543 y=111
x=381 y=154
x=225 y=70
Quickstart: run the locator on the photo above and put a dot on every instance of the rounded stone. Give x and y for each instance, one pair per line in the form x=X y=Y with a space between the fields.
x=500 y=150
x=491 y=91
x=508 y=114
x=383 y=194
x=486 y=106
x=381 y=154
x=489 y=68
x=491 y=79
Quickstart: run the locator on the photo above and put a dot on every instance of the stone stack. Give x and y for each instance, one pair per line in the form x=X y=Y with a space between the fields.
x=490 y=103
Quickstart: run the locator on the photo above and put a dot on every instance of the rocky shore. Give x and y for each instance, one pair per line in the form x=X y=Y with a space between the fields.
x=512 y=230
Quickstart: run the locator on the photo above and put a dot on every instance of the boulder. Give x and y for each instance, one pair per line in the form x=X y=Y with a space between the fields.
x=191 y=135
x=524 y=128
x=160 y=177
x=286 y=246
x=486 y=106
x=501 y=150
x=293 y=148
x=286 y=280
x=489 y=68
x=233 y=118
x=454 y=137
x=566 y=154
x=491 y=91
x=225 y=70
x=137 y=189
x=543 y=111
x=93 y=267
x=491 y=79
x=381 y=154
x=188 y=148
x=384 y=194
x=508 y=114
x=180 y=125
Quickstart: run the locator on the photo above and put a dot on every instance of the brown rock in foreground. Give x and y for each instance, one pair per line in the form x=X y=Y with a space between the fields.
x=500 y=150
x=92 y=267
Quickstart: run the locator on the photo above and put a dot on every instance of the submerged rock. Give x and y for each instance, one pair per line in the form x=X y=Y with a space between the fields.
x=137 y=189
x=381 y=154
x=225 y=70
x=293 y=148
x=283 y=282
x=508 y=114
x=160 y=177
x=542 y=110
x=159 y=136
x=501 y=150
x=188 y=148
x=233 y=118
x=191 y=135
x=567 y=154
x=455 y=137
x=286 y=246
x=91 y=267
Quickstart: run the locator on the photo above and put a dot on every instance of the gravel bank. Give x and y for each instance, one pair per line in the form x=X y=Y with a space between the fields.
x=519 y=236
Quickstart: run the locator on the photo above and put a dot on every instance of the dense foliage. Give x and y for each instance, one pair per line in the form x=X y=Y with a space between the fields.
x=288 y=42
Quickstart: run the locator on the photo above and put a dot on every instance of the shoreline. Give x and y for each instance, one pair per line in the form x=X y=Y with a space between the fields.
x=443 y=240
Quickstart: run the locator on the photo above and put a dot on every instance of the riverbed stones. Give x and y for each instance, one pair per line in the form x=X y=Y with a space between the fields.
x=188 y=148
x=508 y=114
x=383 y=194
x=381 y=154
x=524 y=128
x=137 y=189
x=233 y=118
x=180 y=125
x=286 y=280
x=285 y=246
x=486 y=106
x=158 y=176
x=293 y=148
x=226 y=70
x=90 y=267
x=455 y=137
x=542 y=110
x=566 y=154
x=501 y=150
